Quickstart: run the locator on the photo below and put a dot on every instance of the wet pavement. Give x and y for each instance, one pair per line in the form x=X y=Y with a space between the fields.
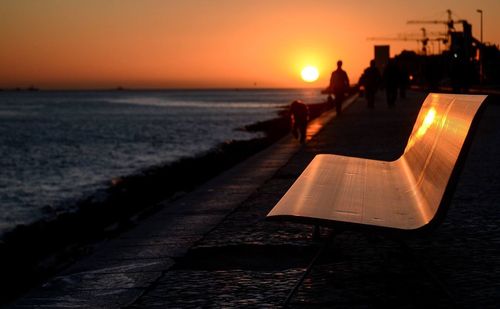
x=214 y=248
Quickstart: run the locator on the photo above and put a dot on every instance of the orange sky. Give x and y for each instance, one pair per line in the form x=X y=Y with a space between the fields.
x=199 y=43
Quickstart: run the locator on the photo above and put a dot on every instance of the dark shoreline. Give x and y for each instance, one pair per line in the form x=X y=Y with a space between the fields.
x=30 y=253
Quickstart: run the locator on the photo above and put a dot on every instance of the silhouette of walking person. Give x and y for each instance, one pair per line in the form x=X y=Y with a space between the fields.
x=460 y=75
x=339 y=85
x=299 y=114
x=391 y=82
x=404 y=80
x=371 y=81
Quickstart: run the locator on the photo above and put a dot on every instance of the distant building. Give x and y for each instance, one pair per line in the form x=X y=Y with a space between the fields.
x=382 y=54
x=491 y=64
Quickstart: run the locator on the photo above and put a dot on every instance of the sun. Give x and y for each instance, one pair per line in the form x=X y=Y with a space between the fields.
x=309 y=74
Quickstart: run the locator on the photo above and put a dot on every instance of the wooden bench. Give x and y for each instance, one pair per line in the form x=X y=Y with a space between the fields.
x=407 y=194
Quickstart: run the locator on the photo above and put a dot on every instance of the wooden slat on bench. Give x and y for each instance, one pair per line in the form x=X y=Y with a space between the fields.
x=402 y=194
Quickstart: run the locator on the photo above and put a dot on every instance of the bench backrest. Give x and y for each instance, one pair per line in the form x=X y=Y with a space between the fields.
x=435 y=145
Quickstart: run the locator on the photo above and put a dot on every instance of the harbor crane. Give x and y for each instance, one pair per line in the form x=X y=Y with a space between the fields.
x=422 y=38
x=449 y=23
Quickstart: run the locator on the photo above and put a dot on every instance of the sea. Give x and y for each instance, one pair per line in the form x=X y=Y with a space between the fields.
x=57 y=147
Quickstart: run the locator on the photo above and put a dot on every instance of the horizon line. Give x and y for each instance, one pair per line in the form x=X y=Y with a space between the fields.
x=125 y=89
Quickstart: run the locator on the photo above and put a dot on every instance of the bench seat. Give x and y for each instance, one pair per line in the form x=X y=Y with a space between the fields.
x=404 y=194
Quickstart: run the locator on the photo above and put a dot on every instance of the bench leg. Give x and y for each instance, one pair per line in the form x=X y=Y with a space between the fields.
x=326 y=243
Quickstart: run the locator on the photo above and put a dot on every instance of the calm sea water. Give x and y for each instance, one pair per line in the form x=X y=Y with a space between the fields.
x=57 y=147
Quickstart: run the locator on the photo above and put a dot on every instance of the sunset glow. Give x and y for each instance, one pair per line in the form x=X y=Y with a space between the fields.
x=199 y=44
x=309 y=74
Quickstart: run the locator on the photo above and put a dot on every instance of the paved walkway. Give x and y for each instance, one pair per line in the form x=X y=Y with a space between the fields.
x=236 y=258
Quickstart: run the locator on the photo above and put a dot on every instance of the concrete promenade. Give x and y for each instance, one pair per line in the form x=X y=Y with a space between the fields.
x=213 y=248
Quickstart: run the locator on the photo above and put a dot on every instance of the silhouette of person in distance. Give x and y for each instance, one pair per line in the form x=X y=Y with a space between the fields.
x=391 y=80
x=371 y=81
x=299 y=114
x=339 y=85
x=404 y=80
